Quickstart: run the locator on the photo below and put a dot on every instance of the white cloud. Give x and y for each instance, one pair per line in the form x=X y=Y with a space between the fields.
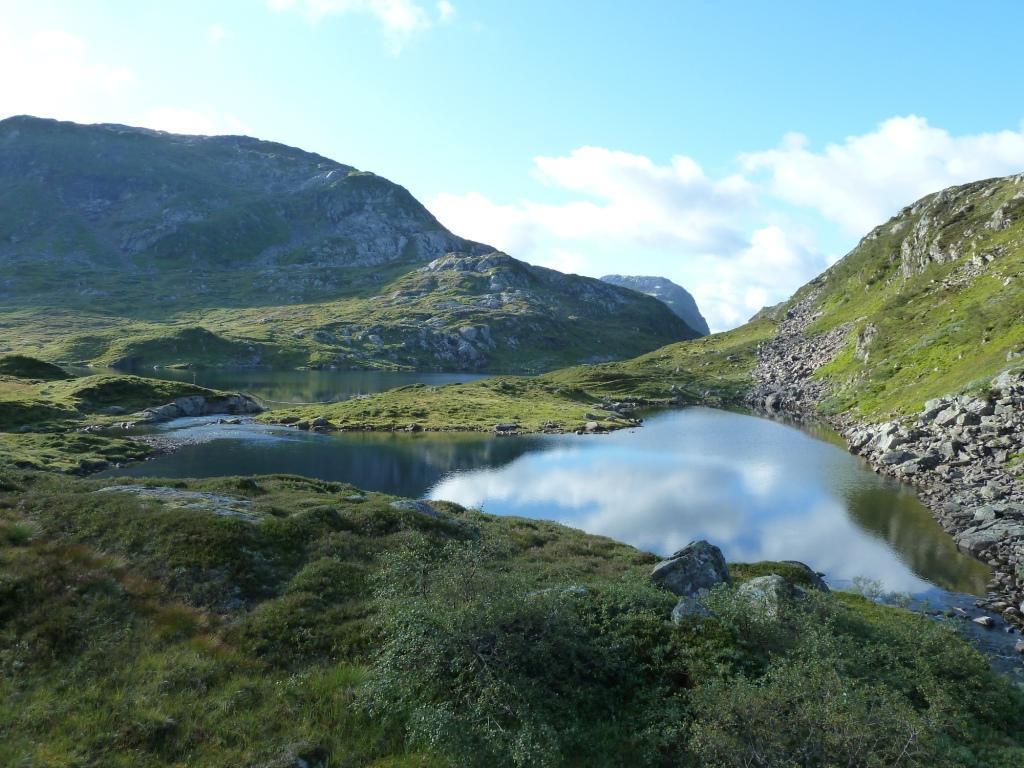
x=864 y=180
x=731 y=241
x=627 y=213
x=776 y=260
x=445 y=11
x=52 y=73
x=400 y=19
x=631 y=200
x=60 y=76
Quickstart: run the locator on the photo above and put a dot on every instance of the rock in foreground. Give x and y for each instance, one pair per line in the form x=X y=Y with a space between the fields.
x=692 y=570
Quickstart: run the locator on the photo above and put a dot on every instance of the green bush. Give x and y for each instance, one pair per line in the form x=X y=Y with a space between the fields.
x=479 y=664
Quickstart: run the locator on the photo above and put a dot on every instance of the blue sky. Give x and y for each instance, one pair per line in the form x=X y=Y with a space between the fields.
x=647 y=137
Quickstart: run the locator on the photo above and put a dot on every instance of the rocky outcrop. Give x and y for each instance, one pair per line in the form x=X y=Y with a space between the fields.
x=199 y=405
x=939 y=232
x=767 y=595
x=677 y=298
x=783 y=376
x=694 y=569
x=470 y=312
x=963 y=452
x=699 y=567
x=965 y=455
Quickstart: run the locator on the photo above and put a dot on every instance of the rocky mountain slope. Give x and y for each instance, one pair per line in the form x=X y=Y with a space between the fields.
x=135 y=247
x=675 y=296
x=911 y=345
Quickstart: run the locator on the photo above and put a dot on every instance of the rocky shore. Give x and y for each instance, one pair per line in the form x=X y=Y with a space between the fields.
x=964 y=453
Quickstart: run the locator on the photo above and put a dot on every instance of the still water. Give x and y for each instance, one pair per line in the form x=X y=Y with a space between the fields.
x=756 y=488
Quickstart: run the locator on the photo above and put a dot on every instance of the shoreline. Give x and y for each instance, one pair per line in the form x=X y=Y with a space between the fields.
x=973 y=501
x=945 y=452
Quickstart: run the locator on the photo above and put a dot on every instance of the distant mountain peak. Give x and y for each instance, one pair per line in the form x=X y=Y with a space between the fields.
x=678 y=299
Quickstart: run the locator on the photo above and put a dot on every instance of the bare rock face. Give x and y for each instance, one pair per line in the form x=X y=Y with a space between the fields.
x=693 y=570
x=198 y=405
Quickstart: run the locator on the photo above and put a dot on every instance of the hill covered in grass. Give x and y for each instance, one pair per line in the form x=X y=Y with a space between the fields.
x=48 y=417
x=931 y=302
x=129 y=247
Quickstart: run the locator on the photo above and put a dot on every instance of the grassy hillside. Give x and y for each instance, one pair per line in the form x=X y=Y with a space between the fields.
x=263 y=621
x=129 y=247
x=42 y=407
x=937 y=291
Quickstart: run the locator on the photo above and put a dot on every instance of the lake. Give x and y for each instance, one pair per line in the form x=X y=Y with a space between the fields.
x=757 y=488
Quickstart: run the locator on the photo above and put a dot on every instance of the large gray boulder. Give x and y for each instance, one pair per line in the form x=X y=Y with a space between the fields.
x=692 y=570
x=813 y=578
x=766 y=595
x=979 y=538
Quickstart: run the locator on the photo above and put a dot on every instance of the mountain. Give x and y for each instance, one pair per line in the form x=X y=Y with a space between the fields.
x=133 y=247
x=928 y=303
x=675 y=296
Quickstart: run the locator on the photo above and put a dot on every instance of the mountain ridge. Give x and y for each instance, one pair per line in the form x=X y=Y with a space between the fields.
x=134 y=247
x=678 y=299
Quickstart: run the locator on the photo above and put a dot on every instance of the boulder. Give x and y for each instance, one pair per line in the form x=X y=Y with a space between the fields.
x=977 y=539
x=892 y=458
x=689 y=608
x=692 y=570
x=766 y=594
x=932 y=409
x=979 y=407
x=985 y=621
x=193 y=405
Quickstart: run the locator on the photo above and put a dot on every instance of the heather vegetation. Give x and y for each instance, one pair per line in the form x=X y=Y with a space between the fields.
x=264 y=620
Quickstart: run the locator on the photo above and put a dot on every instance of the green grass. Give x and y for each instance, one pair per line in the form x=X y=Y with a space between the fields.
x=937 y=333
x=714 y=369
x=148 y=633
x=24 y=367
x=40 y=418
